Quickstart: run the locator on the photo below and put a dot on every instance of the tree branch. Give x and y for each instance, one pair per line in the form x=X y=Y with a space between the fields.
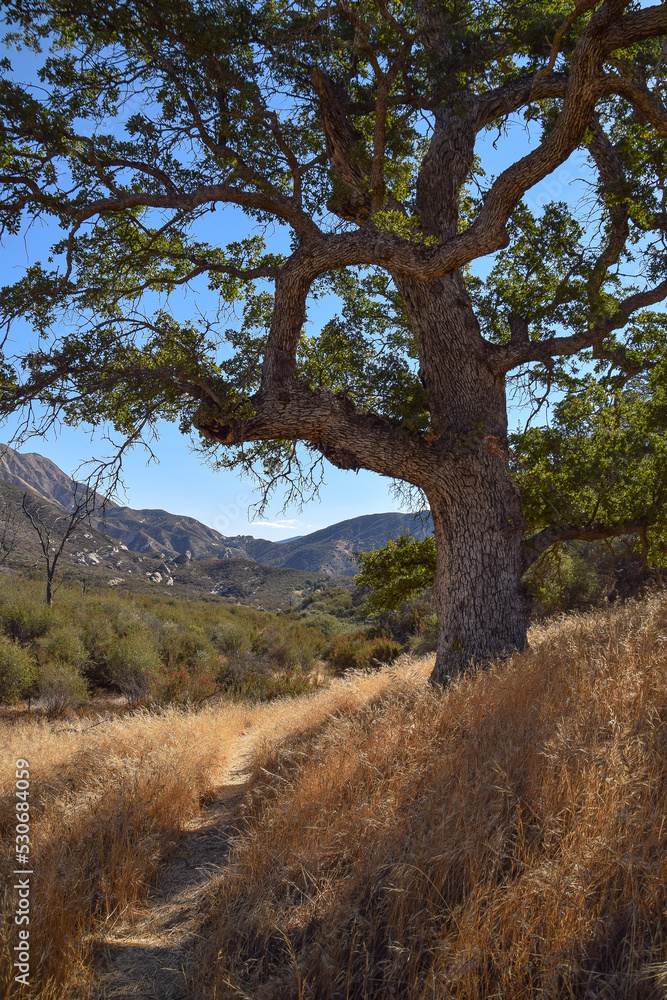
x=328 y=421
x=536 y=544
x=509 y=97
x=181 y=201
x=637 y=26
x=636 y=94
x=503 y=357
x=611 y=173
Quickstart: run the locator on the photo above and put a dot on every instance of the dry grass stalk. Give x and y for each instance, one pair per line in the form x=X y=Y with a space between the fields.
x=108 y=803
x=505 y=838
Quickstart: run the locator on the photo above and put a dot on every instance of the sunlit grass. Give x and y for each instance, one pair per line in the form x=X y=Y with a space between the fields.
x=110 y=800
x=505 y=838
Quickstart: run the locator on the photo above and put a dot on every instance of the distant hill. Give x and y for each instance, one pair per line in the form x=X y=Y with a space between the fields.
x=329 y=549
x=325 y=551
x=139 y=530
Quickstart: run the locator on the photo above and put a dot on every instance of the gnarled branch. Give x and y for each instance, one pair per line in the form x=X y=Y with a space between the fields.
x=535 y=545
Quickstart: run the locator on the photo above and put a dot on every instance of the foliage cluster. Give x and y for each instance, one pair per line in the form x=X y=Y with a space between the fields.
x=152 y=650
x=570 y=576
x=334 y=610
x=359 y=652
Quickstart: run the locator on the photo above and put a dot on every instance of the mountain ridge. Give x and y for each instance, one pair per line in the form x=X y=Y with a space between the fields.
x=153 y=530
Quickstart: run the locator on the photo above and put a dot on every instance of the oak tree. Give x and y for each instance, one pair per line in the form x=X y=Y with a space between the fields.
x=358 y=130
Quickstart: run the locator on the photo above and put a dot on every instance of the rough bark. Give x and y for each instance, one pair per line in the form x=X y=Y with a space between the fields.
x=475 y=505
x=482 y=609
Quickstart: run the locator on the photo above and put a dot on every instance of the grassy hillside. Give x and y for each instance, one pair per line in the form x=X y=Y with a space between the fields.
x=111 y=798
x=505 y=838
x=502 y=838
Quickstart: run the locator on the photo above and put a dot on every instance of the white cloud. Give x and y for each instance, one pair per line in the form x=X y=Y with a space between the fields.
x=291 y=525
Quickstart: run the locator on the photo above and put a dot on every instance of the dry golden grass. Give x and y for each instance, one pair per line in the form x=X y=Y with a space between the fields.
x=503 y=839
x=108 y=803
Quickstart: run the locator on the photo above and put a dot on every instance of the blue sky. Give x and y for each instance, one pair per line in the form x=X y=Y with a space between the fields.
x=178 y=481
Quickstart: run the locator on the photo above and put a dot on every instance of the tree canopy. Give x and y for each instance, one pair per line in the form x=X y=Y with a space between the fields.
x=355 y=130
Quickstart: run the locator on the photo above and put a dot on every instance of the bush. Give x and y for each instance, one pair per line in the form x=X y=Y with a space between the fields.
x=133 y=666
x=329 y=625
x=25 y=620
x=18 y=671
x=64 y=644
x=230 y=638
x=248 y=676
x=183 y=686
x=563 y=580
x=190 y=649
x=61 y=686
x=386 y=650
x=425 y=639
x=357 y=652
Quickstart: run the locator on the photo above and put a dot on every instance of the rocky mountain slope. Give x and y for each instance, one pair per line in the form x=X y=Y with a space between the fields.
x=139 y=530
x=172 y=535
x=329 y=549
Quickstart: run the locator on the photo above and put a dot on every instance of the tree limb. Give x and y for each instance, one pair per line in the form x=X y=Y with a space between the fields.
x=328 y=421
x=503 y=357
x=636 y=94
x=536 y=544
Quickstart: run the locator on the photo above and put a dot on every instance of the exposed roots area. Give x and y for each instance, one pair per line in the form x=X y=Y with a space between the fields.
x=503 y=838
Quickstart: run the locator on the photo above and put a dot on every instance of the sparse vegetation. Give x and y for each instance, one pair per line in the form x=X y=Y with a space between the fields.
x=503 y=837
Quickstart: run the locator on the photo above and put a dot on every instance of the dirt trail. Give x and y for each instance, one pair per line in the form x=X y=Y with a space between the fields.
x=147 y=957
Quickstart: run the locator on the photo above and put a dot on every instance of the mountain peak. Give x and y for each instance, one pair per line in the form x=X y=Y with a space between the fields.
x=327 y=550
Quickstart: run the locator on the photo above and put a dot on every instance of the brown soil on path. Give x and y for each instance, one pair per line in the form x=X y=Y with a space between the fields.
x=147 y=957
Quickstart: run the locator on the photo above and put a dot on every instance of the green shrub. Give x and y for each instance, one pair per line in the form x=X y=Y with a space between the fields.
x=25 y=620
x=403 y=623
x=61 y=686
x=230 y=638
x=133 y=665
x=329 y=625
x=251 y=677
x=349 y=652
x=288 y=644
x=425 y=638
x=385 y=650
x=334 y=601
x=18 y=671
x=563 y=580
x=64 y=644
x=357 y=652
x=190 y=649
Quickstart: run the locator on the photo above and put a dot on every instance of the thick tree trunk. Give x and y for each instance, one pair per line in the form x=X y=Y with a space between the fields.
x=475 y=505
x=482 y=609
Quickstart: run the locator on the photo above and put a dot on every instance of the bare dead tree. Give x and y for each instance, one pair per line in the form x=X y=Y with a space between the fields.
x=55 y=532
